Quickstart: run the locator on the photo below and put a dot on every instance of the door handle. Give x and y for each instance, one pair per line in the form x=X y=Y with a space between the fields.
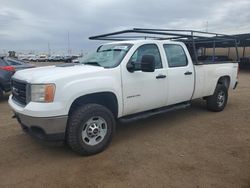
x=160 y=76
x=188 y=73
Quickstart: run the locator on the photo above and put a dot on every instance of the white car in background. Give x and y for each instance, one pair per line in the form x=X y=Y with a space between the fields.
x=33 y=58
x=42 y=58
x=23 y=57
x=55 y=58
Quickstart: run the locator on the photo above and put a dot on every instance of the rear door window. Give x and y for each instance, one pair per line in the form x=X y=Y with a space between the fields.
x=175 y=55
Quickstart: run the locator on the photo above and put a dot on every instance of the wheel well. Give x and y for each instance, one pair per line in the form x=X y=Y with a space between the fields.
x=107 y=99
x=224 y=80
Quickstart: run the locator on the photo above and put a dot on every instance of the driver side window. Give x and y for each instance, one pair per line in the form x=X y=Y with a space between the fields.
x=146 y=49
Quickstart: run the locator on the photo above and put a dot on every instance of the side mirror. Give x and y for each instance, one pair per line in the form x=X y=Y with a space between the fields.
x=131 y=67
x=148 y=63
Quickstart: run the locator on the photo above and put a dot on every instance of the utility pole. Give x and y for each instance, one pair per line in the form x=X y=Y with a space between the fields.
x=49 y=51
x=69 y=51
x=206 y=29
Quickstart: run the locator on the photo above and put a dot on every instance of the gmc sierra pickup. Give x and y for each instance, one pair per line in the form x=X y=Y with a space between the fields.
x=80 y=103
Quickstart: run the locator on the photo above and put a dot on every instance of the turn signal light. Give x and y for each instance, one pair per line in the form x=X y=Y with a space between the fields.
x=49 y=93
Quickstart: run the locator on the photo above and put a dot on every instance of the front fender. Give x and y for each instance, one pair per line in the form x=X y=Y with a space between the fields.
x=81 y=87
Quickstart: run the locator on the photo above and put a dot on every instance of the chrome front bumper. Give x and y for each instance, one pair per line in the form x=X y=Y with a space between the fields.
x=45 y=128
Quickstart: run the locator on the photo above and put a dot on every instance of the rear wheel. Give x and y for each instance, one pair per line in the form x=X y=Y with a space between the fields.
x=90 y=129
x=218 y=100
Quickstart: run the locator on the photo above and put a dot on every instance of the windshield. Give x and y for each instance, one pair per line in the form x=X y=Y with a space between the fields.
x=107 y=56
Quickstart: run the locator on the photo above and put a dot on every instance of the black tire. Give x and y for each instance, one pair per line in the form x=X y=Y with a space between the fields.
x=78 y=123
x=216 y=103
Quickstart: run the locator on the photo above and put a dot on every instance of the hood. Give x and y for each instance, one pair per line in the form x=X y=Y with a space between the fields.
x=49 y=74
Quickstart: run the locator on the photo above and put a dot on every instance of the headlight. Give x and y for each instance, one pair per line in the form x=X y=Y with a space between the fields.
x=42 y=92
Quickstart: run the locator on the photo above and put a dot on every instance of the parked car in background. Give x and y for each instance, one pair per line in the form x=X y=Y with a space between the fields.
x=55 y=58
x=75 y=60
x=23 y=57
x=70 y=58
x=78 y=59
x=8 y=67
x=33 y=58
x=42 y=58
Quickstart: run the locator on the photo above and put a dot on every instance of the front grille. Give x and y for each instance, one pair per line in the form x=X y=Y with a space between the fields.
x=19 y=91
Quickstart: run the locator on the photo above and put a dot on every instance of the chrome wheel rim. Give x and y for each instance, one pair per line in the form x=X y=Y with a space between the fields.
x=221 y=98
x=94 y=130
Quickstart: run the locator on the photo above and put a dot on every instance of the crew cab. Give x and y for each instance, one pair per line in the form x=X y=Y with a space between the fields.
x=123 y=80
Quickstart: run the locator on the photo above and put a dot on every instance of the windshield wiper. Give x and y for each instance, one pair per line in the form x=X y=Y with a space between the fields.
x=109 y=50
x=92 y=63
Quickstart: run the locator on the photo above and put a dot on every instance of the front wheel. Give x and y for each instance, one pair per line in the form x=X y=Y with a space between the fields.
x=218 y=100
x=90 y=129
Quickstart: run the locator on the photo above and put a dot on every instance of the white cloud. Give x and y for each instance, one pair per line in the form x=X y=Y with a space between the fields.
x=31 y=24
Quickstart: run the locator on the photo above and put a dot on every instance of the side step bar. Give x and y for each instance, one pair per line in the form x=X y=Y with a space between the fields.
x=144 y=115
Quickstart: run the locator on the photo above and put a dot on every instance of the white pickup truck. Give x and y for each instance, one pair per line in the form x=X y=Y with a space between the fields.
x=80 y=103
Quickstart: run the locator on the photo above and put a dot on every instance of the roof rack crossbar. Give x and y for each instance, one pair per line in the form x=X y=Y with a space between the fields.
x=176 y=34
x=134 y=31
x=186 y=36
x=208 y=40
x=110 y=35
x=183 y=30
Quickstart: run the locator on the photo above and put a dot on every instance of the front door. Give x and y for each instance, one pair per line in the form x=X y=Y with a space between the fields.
x=144 y=90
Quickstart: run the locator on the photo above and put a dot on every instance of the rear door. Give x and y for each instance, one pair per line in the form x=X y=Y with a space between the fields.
x=180 y=73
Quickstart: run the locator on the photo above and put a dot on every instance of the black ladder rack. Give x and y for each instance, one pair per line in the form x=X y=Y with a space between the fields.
x=193 y=39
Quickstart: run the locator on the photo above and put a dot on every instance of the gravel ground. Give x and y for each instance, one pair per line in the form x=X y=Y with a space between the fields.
x=186 y=148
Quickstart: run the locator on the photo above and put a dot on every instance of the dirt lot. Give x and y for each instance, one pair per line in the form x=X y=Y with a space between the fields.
x=187 y=148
